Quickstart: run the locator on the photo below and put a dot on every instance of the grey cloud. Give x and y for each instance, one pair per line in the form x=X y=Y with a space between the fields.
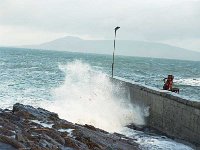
x=142 y=20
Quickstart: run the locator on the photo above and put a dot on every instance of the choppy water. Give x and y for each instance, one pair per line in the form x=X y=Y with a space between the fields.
x=30 y=74
x=73 y=81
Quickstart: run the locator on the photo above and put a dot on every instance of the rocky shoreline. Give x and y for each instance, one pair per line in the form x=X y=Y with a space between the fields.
x=26 y=127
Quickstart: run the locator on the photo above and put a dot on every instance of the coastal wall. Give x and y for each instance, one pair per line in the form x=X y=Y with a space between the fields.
x=170 y=114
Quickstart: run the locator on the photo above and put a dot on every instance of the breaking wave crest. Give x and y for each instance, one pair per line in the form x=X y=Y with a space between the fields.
x=188 y=81
x=87 y=96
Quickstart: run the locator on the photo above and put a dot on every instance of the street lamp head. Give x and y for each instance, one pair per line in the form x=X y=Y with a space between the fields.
x=116 y=28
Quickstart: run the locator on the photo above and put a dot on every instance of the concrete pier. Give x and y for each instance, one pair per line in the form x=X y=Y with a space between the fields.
x=168 y=112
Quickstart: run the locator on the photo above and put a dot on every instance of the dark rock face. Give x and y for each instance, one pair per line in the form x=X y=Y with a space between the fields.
x=26 y=127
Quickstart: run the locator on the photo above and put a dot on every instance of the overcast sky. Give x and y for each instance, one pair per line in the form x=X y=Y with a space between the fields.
x=176 y=22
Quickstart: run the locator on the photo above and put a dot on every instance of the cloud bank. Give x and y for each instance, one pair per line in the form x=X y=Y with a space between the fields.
x=168 y=21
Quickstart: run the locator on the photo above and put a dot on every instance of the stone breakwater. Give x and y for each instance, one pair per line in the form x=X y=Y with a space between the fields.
x=26 y=127
x=169 y=113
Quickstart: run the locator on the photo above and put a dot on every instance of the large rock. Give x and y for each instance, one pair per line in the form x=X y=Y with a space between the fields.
x=26 y=127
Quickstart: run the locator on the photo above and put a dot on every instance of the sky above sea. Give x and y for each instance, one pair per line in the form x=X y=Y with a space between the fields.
x=165 y=21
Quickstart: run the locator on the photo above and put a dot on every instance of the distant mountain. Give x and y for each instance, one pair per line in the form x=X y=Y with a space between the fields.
x=123 y=47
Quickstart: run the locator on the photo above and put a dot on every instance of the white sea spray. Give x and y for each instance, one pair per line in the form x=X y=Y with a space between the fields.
x=88 y=96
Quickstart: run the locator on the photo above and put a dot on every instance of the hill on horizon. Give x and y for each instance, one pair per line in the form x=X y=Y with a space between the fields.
x=123 y=47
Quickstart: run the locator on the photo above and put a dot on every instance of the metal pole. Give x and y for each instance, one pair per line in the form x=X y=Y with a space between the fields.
x=114 y=50
x=113 y=58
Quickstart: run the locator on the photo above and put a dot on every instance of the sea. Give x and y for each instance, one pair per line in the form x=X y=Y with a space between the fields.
x=77 y=87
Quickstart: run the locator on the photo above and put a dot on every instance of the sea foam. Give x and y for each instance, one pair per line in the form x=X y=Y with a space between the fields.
x=87 y=96
x=188 y=81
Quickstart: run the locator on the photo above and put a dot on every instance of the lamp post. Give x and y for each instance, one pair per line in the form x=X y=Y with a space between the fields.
x=114 y=50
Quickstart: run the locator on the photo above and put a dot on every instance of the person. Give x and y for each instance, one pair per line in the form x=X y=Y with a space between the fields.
x=168 y=82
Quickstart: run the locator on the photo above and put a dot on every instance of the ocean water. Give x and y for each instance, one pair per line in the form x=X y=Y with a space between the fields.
x=77 y=87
